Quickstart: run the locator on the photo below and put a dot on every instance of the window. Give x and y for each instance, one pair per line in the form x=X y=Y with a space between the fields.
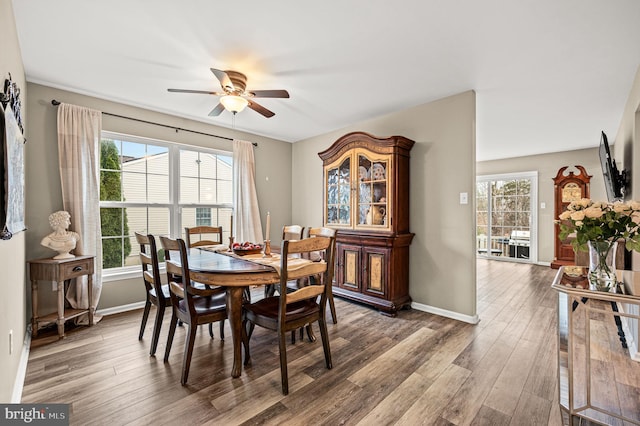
x=505 y=222
x=159 y=188
x=203 y=216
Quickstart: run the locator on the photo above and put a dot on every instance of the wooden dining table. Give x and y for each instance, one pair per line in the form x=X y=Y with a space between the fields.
x=235 y=274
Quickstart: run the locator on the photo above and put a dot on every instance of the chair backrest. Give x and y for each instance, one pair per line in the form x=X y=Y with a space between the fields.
x=207 y=236
x=178 y=276
x=328 y=256
x=292 y=232
x=303 y=247
x=149 y=262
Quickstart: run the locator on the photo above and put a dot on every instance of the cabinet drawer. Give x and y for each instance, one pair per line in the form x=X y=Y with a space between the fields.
x=76 y=269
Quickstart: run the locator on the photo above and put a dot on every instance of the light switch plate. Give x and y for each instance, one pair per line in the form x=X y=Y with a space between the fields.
x=464 y=198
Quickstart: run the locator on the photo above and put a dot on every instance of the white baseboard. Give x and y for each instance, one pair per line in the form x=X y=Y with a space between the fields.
x=445 y=313
x=18 y=385
x=120 y=309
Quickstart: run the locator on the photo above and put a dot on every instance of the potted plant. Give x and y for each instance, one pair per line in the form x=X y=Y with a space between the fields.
x=598 y=226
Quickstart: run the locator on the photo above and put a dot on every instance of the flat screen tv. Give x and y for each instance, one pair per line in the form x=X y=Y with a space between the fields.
x=613 y=181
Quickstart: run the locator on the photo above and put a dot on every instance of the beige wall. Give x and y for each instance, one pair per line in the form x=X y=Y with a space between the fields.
x=12 y=252
x=44 y=196
x=442 y=263
x=626 y=151
x=547 y=166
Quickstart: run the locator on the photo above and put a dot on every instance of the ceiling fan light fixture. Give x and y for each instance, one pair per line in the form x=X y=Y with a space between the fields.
x=234 y=103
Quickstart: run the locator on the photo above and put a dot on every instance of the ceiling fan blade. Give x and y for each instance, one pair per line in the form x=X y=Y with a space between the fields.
x=260 y=109
x=204 y=92
x=216 y=111
x=269 y=93
x=225 y=81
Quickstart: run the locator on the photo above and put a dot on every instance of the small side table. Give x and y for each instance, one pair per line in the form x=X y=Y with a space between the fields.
x=588 y=354
x=61 y=271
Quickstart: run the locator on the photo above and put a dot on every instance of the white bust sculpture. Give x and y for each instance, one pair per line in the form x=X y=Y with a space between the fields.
x=60 y=239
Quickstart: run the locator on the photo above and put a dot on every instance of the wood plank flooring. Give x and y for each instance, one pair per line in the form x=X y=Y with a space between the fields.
x=415 y=369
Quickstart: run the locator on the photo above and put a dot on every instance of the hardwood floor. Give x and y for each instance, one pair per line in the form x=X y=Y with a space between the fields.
x=417 y=368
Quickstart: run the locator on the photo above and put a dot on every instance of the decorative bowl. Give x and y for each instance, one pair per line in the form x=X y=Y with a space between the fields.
x=245 y=251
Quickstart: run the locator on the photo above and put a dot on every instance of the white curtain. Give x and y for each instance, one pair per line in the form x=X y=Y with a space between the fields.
x=79 y=131
x=246 y=214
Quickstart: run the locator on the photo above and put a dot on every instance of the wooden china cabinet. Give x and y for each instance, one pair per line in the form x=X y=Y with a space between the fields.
x=366 y=199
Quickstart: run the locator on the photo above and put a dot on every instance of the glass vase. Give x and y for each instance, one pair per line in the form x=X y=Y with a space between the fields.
x=602 y=265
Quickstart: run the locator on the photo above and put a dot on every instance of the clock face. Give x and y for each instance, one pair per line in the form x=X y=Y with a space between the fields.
x=571 y=192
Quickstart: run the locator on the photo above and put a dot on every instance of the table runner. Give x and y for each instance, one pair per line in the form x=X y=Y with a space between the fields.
x=293 y=263
x=218 y=248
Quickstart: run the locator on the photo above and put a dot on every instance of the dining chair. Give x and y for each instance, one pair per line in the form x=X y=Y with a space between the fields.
x=157 y=294
x=292 y=232
x=295 y=232
x=192 y=304
x=292 y=310
x=213 y=236
x=331 y=233
x=289 y=232
x=207 y=236
x=316 y=256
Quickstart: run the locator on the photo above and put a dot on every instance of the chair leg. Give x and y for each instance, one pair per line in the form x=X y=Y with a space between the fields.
x=283 y=364
x=246 y=335
x=250 y=329
x=145 y=315
x=324 y=334
x=310 y=335
x=222 y=330
x=172 y=331
x=211 y=329
x=312 y=338
x=332 y=307
x=156 y=329
x=188 y=352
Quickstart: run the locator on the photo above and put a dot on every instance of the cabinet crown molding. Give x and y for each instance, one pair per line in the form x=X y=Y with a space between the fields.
x=381 y=145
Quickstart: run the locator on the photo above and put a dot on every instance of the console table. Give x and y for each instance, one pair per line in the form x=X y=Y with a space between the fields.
x=60 y=271
x=598 y=376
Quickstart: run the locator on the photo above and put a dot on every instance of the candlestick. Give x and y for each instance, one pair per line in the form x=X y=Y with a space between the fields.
x=267 y=237
x=267 y=249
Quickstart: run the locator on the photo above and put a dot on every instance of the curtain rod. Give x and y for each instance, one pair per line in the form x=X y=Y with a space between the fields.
x=56 y=103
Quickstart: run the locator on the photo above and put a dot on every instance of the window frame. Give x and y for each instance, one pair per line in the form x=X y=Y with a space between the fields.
x=532 y=176
x=173 y=205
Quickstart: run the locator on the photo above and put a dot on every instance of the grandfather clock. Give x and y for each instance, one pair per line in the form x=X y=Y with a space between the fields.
x=568 y=187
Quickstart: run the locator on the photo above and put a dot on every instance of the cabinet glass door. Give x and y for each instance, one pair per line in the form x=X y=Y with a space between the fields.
x=373 y=196
x=339 y=193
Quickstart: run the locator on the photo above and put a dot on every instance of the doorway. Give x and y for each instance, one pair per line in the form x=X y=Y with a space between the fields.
x=506 y=217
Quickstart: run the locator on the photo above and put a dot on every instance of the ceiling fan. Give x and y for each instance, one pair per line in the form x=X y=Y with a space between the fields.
x=235 y=97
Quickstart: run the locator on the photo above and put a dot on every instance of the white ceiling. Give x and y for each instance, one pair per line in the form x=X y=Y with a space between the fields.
x=549 y=74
